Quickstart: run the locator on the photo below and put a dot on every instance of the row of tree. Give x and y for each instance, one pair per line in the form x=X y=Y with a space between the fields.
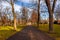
x=24 y=11
x=51 y=11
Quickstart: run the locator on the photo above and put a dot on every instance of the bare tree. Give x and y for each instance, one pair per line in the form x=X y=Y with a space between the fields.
x=50 y=14
x=38 y=13
x=24 y=12
x=34 y=17
x=14 y=14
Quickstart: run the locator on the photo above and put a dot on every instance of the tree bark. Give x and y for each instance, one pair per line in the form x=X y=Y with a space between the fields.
x=14 y=15
x=50 y=15
x=54 y=2
x=38 y=21
x=51 y=11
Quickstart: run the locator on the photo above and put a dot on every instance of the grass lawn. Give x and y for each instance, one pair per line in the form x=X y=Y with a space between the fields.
x=56 y=34
x=7 y=31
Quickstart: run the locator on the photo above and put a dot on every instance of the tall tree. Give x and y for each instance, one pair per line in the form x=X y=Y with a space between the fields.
x=51 y=11
x=14 y=14
x=38 y=13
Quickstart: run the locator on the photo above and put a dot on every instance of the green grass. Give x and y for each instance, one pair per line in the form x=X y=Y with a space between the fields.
x=7 y=31
x=56 y=34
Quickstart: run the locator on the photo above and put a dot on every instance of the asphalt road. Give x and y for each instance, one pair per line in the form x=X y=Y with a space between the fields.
x=30 y=33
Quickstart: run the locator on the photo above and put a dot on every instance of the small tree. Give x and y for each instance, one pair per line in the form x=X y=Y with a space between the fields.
x=34 y=16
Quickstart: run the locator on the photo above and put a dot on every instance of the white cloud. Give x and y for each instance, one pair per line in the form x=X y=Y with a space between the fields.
x=16 y=7
x=4 y=4
x=27 y=1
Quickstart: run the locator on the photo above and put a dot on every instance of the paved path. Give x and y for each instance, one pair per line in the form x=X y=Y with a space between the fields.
x=30 y=33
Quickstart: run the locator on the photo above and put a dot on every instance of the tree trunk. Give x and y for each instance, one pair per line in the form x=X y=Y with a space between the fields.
x=14 y=15
x=15 y=23
x=54 y=2
x=50 y=15
x=38 y=21
x=51 y=11
x=0 y=15
x=50 y=21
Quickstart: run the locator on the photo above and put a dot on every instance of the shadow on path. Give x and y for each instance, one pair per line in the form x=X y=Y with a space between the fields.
x=30 y=33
